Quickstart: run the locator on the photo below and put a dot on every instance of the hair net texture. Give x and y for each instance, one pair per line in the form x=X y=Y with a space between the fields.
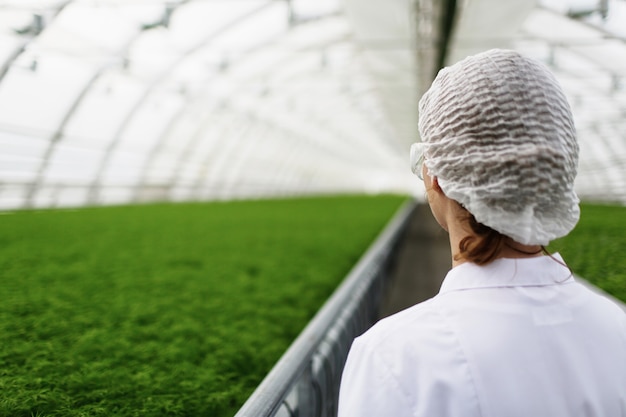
x=499 y=136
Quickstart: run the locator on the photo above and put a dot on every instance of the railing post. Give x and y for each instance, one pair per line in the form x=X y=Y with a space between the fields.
x=306 y=394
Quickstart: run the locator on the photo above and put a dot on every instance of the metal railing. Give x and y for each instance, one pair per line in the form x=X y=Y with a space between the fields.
x=305 y=381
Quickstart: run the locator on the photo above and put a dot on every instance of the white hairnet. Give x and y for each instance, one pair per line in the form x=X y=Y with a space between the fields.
x=497 y=132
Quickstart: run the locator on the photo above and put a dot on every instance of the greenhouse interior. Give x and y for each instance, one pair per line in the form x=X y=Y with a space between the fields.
x=188 y=187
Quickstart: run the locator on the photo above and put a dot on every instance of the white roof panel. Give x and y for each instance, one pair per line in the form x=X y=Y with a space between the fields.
x=119 y=101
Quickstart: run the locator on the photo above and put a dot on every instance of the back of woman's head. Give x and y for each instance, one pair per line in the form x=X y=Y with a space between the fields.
x=498 y=134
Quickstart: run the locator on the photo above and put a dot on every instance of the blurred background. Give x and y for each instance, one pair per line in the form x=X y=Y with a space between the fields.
x=129 y=101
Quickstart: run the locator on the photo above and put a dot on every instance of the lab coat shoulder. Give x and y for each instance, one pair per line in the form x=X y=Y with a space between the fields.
x=602 y=312
x=409 y=364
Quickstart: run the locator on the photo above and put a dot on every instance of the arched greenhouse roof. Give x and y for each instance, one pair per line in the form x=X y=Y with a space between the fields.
x=124 y=101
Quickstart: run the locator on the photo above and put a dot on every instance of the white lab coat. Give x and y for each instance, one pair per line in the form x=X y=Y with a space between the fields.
x=515 y=338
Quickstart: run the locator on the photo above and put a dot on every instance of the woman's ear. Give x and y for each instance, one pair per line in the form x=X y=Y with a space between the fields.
x=436 y=186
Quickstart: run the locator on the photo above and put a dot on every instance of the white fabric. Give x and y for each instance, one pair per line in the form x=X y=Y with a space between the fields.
x=515 y=338
x=498 y=134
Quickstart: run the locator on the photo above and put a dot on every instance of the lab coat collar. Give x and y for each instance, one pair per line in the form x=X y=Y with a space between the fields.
x=508 y=272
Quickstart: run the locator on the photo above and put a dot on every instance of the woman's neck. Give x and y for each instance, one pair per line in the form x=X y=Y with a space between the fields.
x=457 y=231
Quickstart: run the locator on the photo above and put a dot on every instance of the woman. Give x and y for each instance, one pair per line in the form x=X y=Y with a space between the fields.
x=510 y=332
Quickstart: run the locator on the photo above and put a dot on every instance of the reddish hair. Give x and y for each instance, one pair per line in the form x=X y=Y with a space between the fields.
x=486 y=243
x=482 y=247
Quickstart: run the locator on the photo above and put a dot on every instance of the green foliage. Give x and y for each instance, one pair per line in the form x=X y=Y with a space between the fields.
x=595 y=249
x=165 y=310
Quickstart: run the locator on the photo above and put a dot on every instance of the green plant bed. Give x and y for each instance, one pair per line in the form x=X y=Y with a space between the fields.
x=595 y=248
x=166 y=310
